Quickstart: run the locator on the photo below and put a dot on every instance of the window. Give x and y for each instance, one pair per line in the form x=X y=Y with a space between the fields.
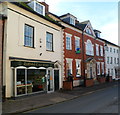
x=97 y=49
x=72 y=21
x=101 y=50
x=107 y=60
x=28 y=36
x=77 y=44
x=98 y=68
x=111 y=72
x=111 y=60
x=68 y=66
x=39 y=8
x=49 y=41
x=89 y=48
x=68 y=43
x=114 y=50
x=88 y=31
x=110 y=49
x=78 y=68
x=115 y=60
x=117 y=51
x=102 y=64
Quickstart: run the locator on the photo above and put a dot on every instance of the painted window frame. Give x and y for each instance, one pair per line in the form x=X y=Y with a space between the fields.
x=27 y=27
x=78 y=68
x=97 y=50
x=89 y=48
x=68 y=41
x=98 y=68
x=77 y=42
x=49 y=43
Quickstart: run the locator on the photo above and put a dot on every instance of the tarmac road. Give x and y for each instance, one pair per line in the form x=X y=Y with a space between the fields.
x=102 y=101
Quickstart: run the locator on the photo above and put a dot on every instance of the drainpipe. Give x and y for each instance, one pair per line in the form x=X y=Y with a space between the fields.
x=83 y=60
x=3 y=27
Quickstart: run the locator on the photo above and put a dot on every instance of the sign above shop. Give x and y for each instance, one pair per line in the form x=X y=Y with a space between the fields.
x=31 y=64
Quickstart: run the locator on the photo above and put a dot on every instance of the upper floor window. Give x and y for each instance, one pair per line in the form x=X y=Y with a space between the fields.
x=36 y=6
x=110 y=49
x=89 y=48
x=68 y=41
x=77 y=44
x=39 y=8
x=107 y=60
x=114 y=50
x=101 y=50
x=115 y=60
x=72 y=21
x=49 y=41
x=88 y=31
x=111 y=60
x=28 y=36
x=97 y=49
x=117 y=51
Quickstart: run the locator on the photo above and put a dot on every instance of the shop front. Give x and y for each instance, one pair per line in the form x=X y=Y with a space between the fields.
x=32 y=77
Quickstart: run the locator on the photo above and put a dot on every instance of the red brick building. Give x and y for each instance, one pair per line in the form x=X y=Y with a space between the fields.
x=83 y=52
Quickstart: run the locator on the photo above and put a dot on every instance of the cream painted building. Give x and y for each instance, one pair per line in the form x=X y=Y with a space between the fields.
x=33 y=51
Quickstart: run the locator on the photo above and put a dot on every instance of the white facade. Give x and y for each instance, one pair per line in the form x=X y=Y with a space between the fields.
x=112 y=60
x=14 y=49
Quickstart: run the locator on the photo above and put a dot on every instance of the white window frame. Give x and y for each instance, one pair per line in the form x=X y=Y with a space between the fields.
x=72 y=21
x=102 y=68
x=97 y=49
x=98 y=68
x=69 y=61
x=70 y=42
x=89 y=48
x=78 y=62
x=101 y=50
x=77 y=42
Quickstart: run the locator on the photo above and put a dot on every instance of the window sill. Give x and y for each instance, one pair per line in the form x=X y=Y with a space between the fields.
x=29 y=47
x=50 y=50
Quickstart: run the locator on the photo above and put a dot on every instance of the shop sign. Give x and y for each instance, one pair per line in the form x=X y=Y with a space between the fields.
x=30 y=64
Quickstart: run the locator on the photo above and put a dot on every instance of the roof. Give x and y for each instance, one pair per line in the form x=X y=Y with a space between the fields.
x=26 y=7
x=106 y=41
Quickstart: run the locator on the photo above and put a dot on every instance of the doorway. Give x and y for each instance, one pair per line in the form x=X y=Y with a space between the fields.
x=56 y=79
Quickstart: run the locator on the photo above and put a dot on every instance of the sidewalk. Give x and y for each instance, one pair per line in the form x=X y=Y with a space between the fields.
x=40 y=100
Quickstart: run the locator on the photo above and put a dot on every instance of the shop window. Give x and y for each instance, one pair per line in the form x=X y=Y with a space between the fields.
x=28 y=36
x=49 y=41
x=21 y=89
x=36 y=80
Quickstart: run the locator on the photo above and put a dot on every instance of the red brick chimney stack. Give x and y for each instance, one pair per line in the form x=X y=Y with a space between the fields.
x=46 y=7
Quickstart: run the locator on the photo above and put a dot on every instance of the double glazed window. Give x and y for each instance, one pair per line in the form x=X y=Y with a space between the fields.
x=39 y=8
x=49 y=41
x=97 y=49
x=29 y=36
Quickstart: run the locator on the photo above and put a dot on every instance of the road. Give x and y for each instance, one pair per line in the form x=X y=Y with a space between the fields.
x=102 y=101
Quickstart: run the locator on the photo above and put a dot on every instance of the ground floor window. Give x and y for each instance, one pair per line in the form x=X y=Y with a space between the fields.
x=78 y=68
x=30 y=80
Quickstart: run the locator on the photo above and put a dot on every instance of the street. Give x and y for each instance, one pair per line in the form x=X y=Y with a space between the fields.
x=102 y=101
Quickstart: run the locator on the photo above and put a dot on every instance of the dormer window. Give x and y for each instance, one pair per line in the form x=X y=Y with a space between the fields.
x=36 y=6
x=72 y=21
x=88 y=31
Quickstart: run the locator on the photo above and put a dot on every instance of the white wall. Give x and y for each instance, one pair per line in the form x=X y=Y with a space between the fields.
x=15 y=41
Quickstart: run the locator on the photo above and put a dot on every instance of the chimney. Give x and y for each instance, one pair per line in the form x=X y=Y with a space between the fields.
x=46 y=7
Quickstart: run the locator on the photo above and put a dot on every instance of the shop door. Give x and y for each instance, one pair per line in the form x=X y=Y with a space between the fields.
x=56 y=79
x=50 y=83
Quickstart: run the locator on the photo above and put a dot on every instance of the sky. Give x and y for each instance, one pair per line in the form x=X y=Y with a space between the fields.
x=103 y=14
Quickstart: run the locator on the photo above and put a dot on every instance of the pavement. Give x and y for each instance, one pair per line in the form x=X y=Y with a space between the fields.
x=31 y=102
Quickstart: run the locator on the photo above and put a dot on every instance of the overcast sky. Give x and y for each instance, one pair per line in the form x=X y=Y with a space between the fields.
x=103 y=14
